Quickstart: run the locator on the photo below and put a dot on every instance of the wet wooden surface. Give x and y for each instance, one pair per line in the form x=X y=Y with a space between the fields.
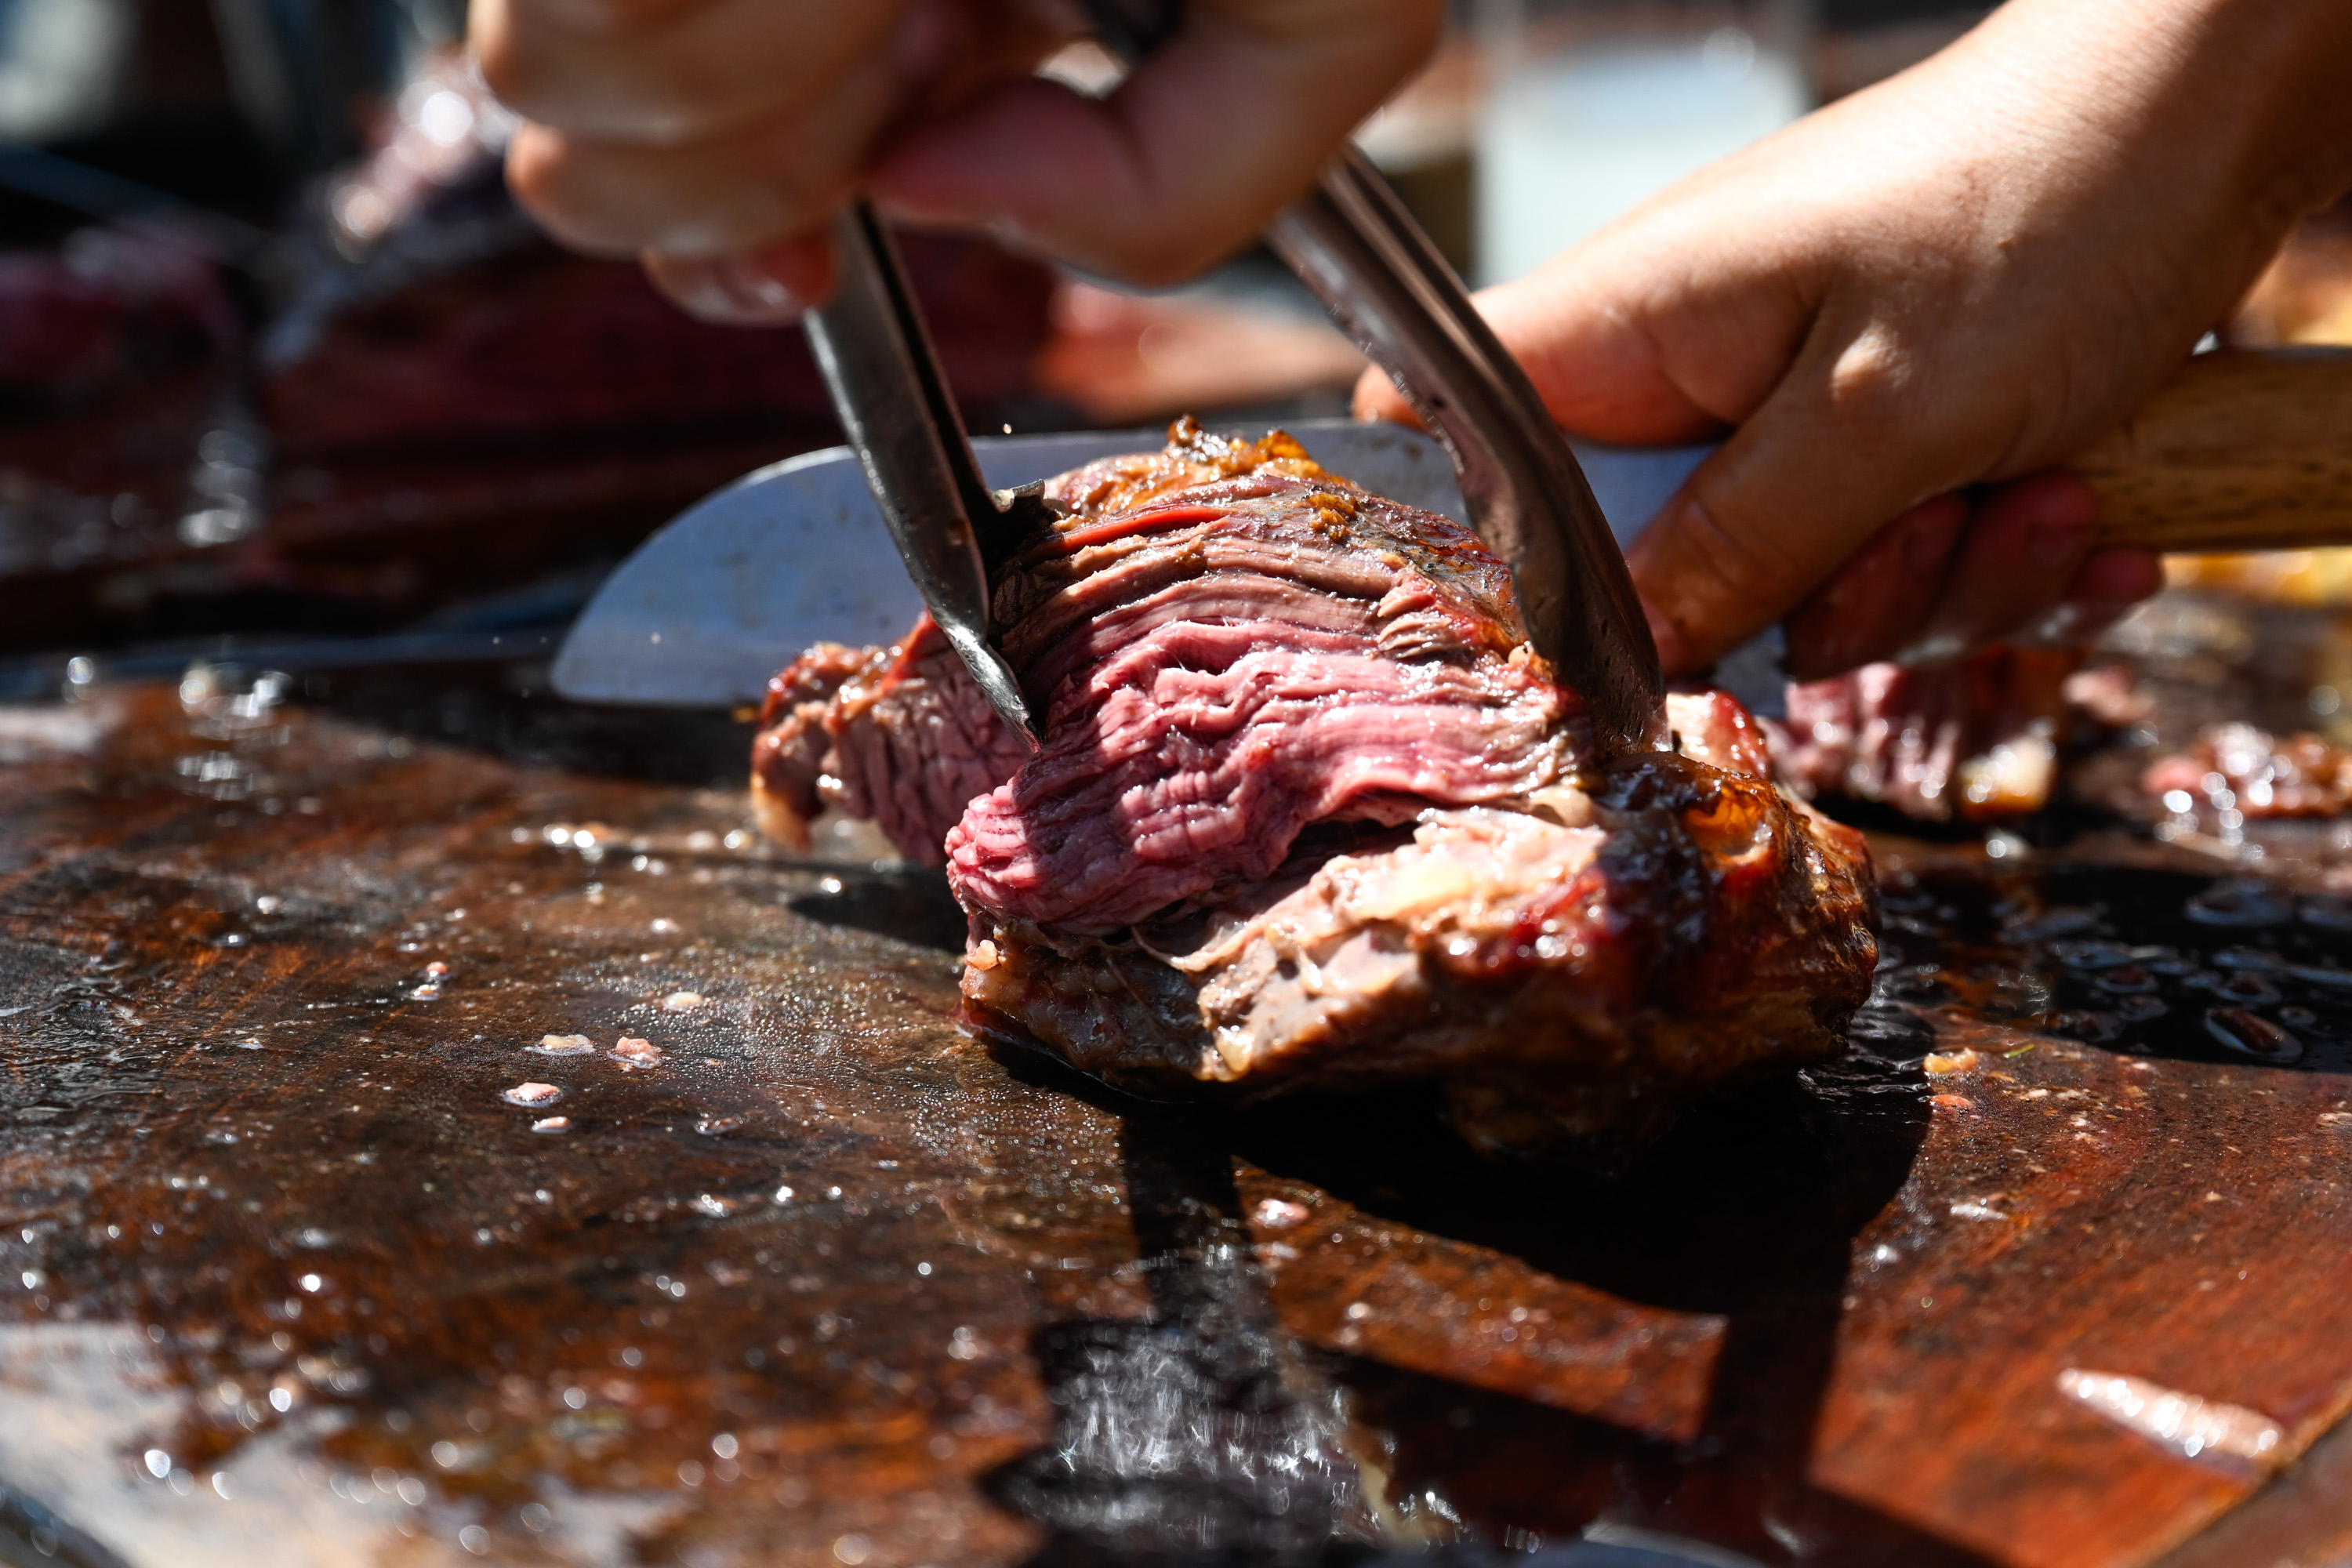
x=286 y=1276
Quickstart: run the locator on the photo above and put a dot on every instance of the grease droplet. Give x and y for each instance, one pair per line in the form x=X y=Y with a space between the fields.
x=2253 y=1035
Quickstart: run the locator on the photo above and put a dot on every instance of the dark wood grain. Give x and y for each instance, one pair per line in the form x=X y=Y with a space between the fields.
x=2074 y=1208
x=255 y=1145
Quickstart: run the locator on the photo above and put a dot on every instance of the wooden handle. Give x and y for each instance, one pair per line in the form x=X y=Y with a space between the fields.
x=2244 y=449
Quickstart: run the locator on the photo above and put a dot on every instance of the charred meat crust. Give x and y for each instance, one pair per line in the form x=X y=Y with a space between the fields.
x=1700 y=931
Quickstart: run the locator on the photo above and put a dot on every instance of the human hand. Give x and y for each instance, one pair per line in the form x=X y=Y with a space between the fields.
x=1911 y=305
x=715 y=137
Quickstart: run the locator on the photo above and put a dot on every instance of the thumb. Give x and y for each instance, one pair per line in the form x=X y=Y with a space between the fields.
x=1584 y=328
x=1832 y=454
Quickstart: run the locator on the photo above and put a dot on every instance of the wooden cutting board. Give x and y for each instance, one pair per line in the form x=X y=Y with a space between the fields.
x=289 y=1275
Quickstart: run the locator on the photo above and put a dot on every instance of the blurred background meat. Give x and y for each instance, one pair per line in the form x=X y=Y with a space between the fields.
x=1977 y=738
x=425 y=314
x=280 y=357
x=107 y=308
x=2240 y=768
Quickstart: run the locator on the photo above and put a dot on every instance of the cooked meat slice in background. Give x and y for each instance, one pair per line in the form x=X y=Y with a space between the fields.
x=1977 y=738
x=2240 y=768
x=1307 y=812
x=425 y=312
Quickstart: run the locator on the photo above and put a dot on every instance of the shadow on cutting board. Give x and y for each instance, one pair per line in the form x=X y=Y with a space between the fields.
x=1207 y=1434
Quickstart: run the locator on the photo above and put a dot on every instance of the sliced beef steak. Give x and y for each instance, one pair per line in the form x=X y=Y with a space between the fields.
x=1243 y=647
x=1308 y=812
x=900 y=736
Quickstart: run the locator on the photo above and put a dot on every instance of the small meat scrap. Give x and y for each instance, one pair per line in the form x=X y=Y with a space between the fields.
x=878 y=734
x=2236 y=767
x=636 y=1053
x=531 y=1095
x=1307 y=812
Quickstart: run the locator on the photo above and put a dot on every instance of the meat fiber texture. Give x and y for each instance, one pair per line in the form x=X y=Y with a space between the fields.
x=1308 y=813
x=898 y=736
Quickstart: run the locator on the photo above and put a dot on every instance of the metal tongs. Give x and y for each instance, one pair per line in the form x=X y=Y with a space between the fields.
x=879 y=363
x=1388 y=287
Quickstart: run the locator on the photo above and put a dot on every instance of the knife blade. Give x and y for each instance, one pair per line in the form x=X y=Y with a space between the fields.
x=2242 y=451
x=738 y=584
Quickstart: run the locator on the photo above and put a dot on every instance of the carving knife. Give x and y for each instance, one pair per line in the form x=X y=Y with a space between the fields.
x=2242 y=451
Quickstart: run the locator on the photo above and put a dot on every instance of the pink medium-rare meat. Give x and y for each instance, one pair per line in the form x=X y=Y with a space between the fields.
x=1223 y=667
x=898 y=735
x=1308 y=813
x=1195 y=759
x=1200 y=775
x=1222 y=673
x=1576 y=965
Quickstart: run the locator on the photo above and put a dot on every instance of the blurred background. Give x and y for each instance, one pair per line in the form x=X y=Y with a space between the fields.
x=284 y=374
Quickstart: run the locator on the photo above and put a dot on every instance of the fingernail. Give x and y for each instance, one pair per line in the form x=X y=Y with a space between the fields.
x=731 y=290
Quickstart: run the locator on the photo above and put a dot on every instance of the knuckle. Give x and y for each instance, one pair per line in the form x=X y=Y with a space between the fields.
x=589 y=64
x=535 y=160
x=1743 y=561
x=1873 y=383
x=546 y=175
x=502 y=60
